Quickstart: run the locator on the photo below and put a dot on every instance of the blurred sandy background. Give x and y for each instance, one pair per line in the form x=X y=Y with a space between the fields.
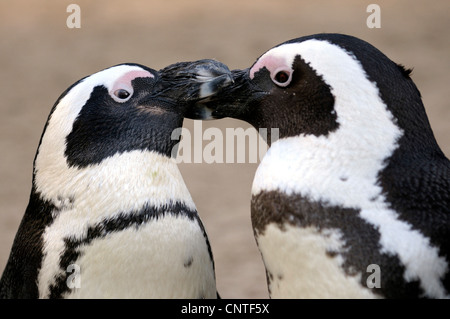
x=41 y=57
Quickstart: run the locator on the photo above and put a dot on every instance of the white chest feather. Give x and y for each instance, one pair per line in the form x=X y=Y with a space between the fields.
x=145 y=261
x=299 y=267
x=165 y=258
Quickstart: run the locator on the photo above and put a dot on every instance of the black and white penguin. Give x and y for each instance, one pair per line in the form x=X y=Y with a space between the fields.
x=353 y=199
x=109 y=214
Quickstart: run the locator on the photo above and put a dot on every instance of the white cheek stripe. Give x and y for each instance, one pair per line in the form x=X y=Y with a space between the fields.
x=71 y=104
x=341 y=169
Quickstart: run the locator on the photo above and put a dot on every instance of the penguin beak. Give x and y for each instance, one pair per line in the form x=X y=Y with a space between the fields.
x=233 y=100
x=195 y=82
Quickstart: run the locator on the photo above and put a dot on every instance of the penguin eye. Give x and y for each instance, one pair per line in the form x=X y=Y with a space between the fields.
x=121 y=95
x=282 y=78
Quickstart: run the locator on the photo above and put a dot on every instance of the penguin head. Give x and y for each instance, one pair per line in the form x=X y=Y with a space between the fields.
x=124 y=108
x=318 y=84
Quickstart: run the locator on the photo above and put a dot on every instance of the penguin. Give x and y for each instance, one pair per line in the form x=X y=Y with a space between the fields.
x=352 y=199
x=109 y=215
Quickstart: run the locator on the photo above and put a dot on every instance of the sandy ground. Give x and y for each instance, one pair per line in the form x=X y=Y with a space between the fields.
x=41 y=57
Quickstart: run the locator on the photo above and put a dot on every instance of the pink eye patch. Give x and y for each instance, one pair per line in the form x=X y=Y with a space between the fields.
x=124 y=82
x=130 y=76
x=271 y=63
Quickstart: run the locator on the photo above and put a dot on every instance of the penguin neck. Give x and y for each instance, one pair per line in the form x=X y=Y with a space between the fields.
x=121 y=183
x=339 y=168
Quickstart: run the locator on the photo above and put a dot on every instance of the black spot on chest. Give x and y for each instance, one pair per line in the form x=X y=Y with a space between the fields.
x=188 y=262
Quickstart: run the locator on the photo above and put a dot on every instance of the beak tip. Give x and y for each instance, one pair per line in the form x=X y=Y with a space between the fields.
x=213 y=86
